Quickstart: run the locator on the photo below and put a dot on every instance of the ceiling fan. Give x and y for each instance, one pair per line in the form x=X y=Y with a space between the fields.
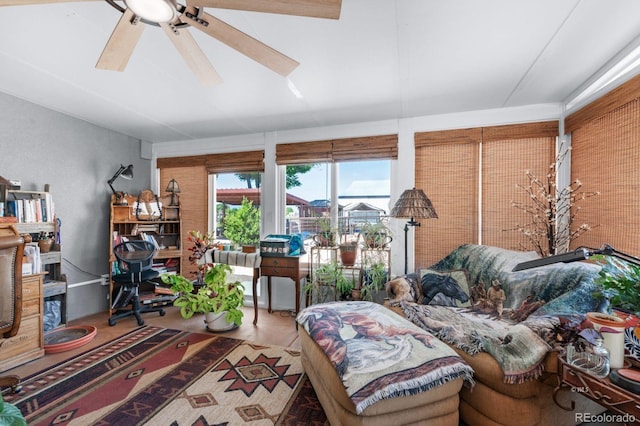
x=174 y=18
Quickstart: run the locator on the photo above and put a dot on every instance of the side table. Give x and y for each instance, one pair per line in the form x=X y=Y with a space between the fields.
x=285 y=267
x=601 y=391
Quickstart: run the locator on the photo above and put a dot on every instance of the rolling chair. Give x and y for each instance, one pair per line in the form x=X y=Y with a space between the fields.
x=135 y=260
x=11 y=250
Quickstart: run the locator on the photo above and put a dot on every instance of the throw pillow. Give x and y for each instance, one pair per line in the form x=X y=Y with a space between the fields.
x=446 y=288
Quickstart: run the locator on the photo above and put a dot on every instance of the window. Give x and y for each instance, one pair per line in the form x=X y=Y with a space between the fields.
x=345 y=181
x=363 y=193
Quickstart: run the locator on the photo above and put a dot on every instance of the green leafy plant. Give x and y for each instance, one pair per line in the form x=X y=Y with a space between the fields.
x=374 y=278
x=330 y=275
x=326 y=235
x=242 y=225
x=375 y=235
x=214 y=295
x=10 y=415
x=619 y=283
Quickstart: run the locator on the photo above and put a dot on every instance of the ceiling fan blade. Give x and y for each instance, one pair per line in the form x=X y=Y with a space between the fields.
x=192 y=54
x=241 y=42
x=329 y=9
x=27 y=2
x=123 y=40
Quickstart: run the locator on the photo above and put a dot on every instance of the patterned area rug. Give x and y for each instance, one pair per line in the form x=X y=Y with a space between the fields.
x=159 y=376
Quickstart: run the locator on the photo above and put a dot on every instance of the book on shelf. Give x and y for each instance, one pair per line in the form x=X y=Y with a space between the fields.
x=31 y=210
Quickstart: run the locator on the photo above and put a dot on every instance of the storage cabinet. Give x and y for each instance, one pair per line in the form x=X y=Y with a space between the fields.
x=151 y=218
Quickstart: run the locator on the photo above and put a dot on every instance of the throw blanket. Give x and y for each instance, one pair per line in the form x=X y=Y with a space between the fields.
x=518 y=349
x=378 y=354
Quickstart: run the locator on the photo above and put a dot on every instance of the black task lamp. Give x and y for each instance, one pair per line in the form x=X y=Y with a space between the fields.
x=578 y=254
x=174 y=189
x=125 y=173
x=414 y=204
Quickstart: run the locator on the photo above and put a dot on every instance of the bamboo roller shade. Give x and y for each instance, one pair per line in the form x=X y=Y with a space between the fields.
x=606 y=158
x=361 y=148
x=448 y=169
x=232 y=162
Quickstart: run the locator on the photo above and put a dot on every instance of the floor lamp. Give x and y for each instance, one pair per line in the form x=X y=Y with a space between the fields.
x=414 y=204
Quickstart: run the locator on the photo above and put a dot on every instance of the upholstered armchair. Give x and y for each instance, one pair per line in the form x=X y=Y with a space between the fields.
x=11 y=249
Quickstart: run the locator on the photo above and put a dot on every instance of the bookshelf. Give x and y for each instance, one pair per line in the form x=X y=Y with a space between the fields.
x=152 y=218
x=32 y=213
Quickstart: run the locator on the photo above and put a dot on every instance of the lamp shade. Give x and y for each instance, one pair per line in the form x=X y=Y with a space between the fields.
x=173 y=186
x=127 y=173
x=413 y=203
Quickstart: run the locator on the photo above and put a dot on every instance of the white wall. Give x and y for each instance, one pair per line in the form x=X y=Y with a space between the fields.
x=40 y=146
x=402 y=170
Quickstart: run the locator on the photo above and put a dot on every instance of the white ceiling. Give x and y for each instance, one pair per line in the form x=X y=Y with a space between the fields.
x=383 y=59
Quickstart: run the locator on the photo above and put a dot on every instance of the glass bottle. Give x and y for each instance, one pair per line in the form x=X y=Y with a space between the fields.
x=601 y=365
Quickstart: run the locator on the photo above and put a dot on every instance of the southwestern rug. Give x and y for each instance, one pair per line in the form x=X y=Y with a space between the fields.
x=158 y=376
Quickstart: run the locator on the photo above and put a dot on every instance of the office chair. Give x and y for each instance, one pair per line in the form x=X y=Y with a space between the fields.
x=135 y=261
x=11 y=250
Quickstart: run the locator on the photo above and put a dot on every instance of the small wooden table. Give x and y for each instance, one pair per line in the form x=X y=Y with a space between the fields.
x=601 y=391
x=284 y=267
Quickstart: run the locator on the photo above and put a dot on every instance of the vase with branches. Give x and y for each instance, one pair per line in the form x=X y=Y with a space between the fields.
x=552 y=210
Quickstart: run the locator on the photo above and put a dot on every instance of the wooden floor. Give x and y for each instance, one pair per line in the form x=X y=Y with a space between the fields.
x=277 y=328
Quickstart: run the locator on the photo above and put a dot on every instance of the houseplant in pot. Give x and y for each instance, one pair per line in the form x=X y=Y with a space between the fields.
x=219 y=300
x=375 y=235
x=348 y=252
x=374 y=277
x=326 y=235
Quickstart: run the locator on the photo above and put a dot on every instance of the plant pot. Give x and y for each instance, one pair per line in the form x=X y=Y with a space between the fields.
x=248 y=249
x=348 y=254
x=324 y=239
x=218 y=322
x=355 y=294
x=45 y=245
x=612 y=329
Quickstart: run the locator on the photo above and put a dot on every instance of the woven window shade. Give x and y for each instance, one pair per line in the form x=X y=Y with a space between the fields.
x=447 y=172
x=303 y=152
x=348 y=149
x=231 y=162
x=366 y=148
x=606 y=158
x=193 y=203
x=504 y=163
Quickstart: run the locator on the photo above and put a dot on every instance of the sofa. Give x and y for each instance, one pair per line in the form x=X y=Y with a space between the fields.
x=512 y=348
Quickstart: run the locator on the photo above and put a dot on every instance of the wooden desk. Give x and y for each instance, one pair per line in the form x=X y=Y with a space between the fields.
x=285 y=267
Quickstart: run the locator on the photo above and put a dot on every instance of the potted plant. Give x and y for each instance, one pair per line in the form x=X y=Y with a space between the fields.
x=348 y=252
x=619 y=285
x=374 y=278
x=326 y=236
x=327 y=276
x=376 y=235
x=218 y=299
x=242 y=226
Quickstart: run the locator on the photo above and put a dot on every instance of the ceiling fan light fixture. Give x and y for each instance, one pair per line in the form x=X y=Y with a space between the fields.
x=153 y=10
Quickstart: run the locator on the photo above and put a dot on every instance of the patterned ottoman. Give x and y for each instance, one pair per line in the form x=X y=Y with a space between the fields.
x=370 y=366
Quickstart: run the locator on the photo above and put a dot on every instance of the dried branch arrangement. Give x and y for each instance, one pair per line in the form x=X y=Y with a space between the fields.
x=552 y=211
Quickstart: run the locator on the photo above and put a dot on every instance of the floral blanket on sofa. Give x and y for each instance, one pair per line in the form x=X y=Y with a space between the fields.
x=378 y=354
x=564 y=293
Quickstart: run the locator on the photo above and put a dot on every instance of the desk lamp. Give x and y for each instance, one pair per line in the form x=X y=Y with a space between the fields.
x=174 y=189
x=414 y=204
x=125 y=173
x=581 y=253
